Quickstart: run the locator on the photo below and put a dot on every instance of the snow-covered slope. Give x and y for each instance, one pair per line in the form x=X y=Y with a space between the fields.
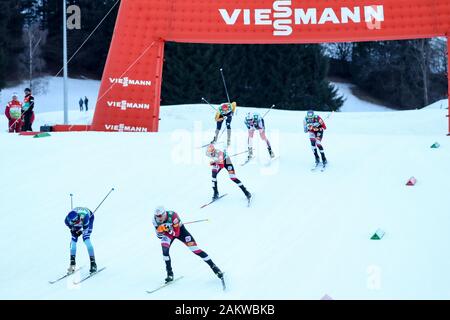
x=305 y=235
x=49 y=100
x=353 y=103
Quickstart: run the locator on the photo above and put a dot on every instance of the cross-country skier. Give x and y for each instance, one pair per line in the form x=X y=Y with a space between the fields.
x=169 y=227
x=315 y=126
x=220 y=160
x=13 y=112
x=254 y=121
x=224 y=113
x=80 y=221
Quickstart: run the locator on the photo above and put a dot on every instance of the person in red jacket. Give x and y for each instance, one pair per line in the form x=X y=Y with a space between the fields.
x=27 y=111
x=314 y=124
x=13 y=112
x=169 y=227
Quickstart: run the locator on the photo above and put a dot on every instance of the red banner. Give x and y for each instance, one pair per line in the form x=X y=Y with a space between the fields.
x=129 y=96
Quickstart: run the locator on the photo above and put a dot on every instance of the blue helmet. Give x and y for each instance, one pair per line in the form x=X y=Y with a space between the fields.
x=310 y=114
x=73 y=216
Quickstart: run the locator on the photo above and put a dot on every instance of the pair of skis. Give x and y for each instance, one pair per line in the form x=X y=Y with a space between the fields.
x=65 y=276
x=266 y=164
x=84 y=278
x=249 y=201
x=179 y=278
x=212 y=201
x=317 y=166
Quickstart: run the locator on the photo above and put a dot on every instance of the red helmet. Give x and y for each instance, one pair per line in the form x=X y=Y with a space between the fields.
x=225 y=108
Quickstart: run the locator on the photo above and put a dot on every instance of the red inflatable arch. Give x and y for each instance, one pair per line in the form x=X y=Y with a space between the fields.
x=129 y=97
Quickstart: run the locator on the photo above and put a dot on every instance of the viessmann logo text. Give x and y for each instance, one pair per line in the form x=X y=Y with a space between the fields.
x=130 y=82
x=124 y=105
x=282 y=16
x=124 y=128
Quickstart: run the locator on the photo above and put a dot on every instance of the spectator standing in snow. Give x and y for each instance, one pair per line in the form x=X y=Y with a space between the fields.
x=86 y=101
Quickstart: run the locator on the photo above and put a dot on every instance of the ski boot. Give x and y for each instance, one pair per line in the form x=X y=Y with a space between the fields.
x=272 y=155
x=169 y=277
x=93 y=265
x=214 y=140
x=250 y=153
x=217 y=271
x=316 y=155
x=72 y=266
x=215 y=196
x=324 y=160
x=247 y=194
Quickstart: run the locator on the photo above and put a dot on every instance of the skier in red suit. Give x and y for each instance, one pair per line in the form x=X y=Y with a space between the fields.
x=169 y=227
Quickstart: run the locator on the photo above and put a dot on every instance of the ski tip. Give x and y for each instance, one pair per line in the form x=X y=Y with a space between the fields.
x=101 y=269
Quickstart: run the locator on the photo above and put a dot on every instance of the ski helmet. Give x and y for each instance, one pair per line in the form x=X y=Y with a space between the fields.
x=249 y=117
x=27 y=90
x=211 y=150
x=224 y=108
x=310 y=114
x=73 y=217
x=14 y=95
x=160 y=213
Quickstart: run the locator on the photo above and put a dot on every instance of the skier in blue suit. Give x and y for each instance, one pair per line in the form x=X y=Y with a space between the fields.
x=80 y=221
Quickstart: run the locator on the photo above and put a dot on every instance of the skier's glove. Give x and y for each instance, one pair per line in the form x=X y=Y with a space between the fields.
x=162 y=228
x=76 y=232
x=169 y=227
x=165 y=228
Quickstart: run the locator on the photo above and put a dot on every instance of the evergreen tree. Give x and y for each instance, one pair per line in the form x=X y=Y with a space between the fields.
x=398 y=72
x=90 y=60
x=11 y=45
x=290 y=76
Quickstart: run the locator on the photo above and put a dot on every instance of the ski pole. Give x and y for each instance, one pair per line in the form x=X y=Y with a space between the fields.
x=223 y=130
x=203 y=220
x=112 y=189
x=209 y=104
x=273 y=106
x=14 y=123
x=71 y=202
x=238 y=153
x=225 y=85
